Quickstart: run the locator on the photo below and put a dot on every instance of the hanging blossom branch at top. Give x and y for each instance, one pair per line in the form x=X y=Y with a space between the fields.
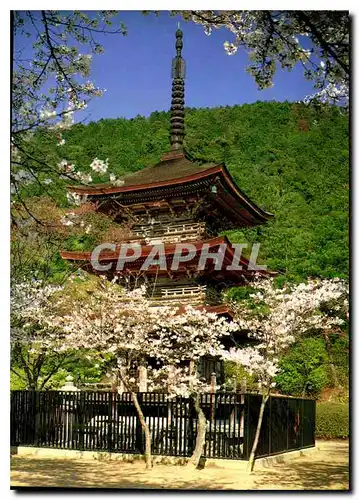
x=54 y=83
x=50 y=86
x=316 y=40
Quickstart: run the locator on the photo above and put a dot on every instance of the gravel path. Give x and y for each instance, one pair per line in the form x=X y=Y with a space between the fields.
x=326 y=469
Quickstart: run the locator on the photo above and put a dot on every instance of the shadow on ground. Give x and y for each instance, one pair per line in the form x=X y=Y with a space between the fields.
x=323 y=470
x=35 y=472
x=326 y=469
x=304 y=476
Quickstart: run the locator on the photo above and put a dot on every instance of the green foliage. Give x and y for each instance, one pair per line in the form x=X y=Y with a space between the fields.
x=237 y=372
x=35 y=248
x=83 y=371
x=332 y=420
x=304 y=368
x=298 y=172
x=17 y=382
x=239 y=293
x=53 y=370
x=340 y=357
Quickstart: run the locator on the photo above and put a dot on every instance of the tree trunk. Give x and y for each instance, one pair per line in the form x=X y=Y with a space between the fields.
x=145 y=428
x=265 y=398
x=201 y=435
x=146 y=431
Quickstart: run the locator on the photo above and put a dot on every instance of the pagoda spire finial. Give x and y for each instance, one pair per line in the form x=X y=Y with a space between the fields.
x=177 y=102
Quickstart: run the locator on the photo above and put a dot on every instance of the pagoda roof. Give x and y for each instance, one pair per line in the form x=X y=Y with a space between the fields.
x=178 y=172
x=176 y=169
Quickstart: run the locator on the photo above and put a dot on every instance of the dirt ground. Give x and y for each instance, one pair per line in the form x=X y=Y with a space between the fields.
x=326 y=469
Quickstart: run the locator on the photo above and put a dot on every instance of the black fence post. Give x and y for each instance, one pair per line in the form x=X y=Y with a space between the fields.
x=139 y=432
x=109 y=427
x=13 y=418
x=245 y=427
x=270 y=425
x=302 y=425
x=24 y=433
x=36 y=417
x=81 y=414
x=314 y=425
x=191 y=425
x=287 y=424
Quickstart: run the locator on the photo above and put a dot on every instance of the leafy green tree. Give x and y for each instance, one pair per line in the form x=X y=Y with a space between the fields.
x=49 y=371
x=304 y=369
x=340 y=358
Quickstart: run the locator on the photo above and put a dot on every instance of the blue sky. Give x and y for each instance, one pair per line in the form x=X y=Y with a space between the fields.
x=136 y=70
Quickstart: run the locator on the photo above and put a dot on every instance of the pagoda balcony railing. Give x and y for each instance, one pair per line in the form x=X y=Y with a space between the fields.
x=170 y=228
x=199 y=294
x=183 y=291
x=193 y=295
x=181 y=228
x=172 y=233
x=173 y=238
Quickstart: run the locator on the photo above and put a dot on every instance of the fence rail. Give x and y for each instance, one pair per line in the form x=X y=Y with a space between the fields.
x=107 y=421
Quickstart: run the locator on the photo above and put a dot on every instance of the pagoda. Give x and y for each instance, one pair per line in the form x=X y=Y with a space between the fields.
x=177 y=200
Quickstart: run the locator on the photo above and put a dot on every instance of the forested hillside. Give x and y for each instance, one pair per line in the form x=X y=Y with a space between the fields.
x=291 y=159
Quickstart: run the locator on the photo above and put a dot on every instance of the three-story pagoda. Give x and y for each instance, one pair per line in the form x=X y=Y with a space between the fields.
x=178 y=200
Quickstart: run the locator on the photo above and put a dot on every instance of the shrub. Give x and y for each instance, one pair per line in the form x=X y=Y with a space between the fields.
x=332 y=421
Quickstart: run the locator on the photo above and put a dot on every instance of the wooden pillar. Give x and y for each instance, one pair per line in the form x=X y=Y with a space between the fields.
x=213 y=383
x=121 y=387
x=244 y=385
x=142 y=379
x=170 y=378
x=235 y=384
x=213 y=397
x=191 y=371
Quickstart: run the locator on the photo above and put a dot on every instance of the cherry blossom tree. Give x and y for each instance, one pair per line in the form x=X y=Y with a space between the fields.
x=37 y=345
x=275 y=318
x=37 y=239
x=317 y=40
x=105 y=320
x=34 y=343
x=125 y=325
x=189 y=336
